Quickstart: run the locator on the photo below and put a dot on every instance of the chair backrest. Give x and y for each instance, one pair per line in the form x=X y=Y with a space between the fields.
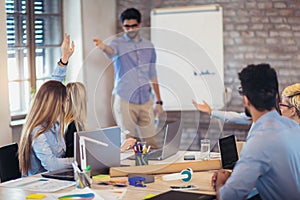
x=9 y=162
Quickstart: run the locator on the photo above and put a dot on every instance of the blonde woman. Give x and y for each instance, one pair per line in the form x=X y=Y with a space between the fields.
x=42 y=145
x=76 y=114
x=75 y=118
x=76 y=109
x=290 y=104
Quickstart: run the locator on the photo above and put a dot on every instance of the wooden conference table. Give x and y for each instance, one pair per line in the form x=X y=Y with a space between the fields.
x=201 y=178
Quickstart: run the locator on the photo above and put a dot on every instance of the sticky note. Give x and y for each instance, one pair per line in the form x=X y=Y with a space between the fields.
x=35 y=196
x=101 y=177
x=148 y=196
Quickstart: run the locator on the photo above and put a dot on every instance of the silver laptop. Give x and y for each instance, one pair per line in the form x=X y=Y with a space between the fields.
x=171 y=143
x=99 y=157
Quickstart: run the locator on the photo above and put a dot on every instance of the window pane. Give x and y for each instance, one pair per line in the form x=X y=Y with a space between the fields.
x=47 y=6
x=14 y=97
x=26 y=71
x=47 y=29
x=13 y=70
x=15 y=6
x=19 y=97
x=10 y=28
x=17 y=65
x=46 y=60
x=16 y=30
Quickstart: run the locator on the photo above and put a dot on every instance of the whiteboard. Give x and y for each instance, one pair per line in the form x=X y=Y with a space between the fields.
x=189 y=47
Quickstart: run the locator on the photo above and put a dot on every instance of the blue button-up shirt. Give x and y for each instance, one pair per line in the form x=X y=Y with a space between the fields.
x=48 y=151
x=231 y=117
x=59 y=73
x=134 y=66
x=270 y=160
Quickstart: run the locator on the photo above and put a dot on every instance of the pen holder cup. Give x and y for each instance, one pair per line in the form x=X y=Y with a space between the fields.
x=141 y=159
x=83 y=179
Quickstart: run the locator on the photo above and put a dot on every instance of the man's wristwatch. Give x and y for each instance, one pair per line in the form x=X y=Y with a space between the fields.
x=159 y=102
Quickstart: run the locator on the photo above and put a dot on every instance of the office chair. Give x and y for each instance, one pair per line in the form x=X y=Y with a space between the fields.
x=9 y=162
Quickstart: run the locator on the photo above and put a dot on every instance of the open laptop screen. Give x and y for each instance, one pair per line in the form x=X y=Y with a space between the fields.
x=172 y=139
x=99 y=157
x=228 y=151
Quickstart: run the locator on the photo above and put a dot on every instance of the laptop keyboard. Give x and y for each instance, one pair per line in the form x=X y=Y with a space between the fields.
x=66 y=173
x=60 y=174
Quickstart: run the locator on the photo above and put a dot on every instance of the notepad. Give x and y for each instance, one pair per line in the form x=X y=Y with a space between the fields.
x=38 y=184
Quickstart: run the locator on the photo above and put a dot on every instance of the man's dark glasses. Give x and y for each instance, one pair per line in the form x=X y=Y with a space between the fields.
x=130 y=26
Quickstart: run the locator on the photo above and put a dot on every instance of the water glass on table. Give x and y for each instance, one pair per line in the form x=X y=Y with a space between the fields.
x=205 y=149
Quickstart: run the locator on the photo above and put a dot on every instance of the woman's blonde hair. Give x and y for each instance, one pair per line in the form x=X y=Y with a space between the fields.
x=47 y=108
x=76 y=109
x=292 y=95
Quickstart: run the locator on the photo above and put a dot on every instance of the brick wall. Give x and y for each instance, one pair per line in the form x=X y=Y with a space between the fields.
x=256 y=31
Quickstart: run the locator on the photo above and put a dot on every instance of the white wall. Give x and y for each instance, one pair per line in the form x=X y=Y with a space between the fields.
x=72 y=25
x=85 y=20
x=5 y=130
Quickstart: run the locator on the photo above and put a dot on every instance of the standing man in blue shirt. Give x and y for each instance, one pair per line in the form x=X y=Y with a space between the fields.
x=270 y=158
x=134 y=61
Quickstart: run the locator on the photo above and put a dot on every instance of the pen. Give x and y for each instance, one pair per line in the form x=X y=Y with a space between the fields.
x=88 y=168
x=142 y=147
x=87 y=180
x=77 y=172
x=86 y=175
x=139 y=147
x=75 y=168
x=149 y=147
x=145 y=150
x=79 y=179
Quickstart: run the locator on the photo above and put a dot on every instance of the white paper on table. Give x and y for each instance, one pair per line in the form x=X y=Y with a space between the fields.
x=112 y=194
x=38 y=184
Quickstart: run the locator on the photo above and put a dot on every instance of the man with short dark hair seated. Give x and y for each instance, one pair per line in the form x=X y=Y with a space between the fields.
x=270 y=158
